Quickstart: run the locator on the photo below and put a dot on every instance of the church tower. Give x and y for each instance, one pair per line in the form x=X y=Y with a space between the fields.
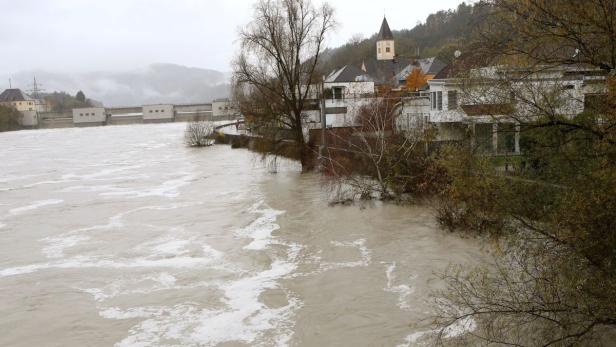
x=385 y=45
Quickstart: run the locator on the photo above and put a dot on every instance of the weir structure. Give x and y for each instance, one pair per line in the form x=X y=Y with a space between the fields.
x=159 y=113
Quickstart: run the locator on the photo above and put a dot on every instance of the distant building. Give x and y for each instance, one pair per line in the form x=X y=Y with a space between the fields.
x=385 y=44
x=91 y=116
x=22 y=102
x=193 y=112
x=224 y=109
x=390 y=70
x=347 y=90
x=158 y=114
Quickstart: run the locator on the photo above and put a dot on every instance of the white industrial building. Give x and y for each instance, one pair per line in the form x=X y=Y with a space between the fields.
x=91 y=116
x=158 y=113
x=224 y=109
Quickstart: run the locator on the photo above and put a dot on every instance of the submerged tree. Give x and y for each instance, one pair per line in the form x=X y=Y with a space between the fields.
x=277 y=64
x=198 y=134
x=370 y=159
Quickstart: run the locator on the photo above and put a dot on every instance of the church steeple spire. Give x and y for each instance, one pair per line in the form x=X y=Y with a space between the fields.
x=385 y=44
x=385 y=32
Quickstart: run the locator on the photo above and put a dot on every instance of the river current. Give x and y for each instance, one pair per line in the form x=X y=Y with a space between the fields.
x=122 y=236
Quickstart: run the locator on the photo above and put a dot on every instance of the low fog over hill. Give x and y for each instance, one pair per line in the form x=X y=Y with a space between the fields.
x=158 y=83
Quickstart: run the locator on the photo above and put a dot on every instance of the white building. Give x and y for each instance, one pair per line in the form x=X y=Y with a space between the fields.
x=224 y=109
x=91 y=116
x=346 y=91
x=490 y=103
x=158 y=113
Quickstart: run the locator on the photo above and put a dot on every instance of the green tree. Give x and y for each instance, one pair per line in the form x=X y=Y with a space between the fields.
x=9 y=119
x=81 y=97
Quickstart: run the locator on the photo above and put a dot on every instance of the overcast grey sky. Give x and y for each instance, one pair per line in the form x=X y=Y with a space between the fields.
x=92 y=35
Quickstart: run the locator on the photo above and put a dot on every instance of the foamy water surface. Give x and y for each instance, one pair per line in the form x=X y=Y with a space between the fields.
x=122 y=236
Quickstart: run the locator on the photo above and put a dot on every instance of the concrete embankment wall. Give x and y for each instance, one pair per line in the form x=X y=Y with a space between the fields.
x=123 y=110
x=124 y=120
x=53 y=120
x=284 y=148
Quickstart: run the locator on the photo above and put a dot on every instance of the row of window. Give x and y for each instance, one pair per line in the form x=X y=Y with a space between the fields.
x=87 y=114
x=156 y=111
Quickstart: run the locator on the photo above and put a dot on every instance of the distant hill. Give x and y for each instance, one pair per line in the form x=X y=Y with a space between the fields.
x=440 y=35
x=157 y=83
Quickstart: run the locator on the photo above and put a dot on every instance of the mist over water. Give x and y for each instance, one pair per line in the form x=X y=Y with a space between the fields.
x=122 y=236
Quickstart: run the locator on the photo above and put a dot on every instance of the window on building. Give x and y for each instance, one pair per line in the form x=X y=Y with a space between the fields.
x=379 y=50
x=81 y=115
x=439 y=100
x=150 y=111
x=433 y=100
x=452 y=99
x=338 y=93
x=387 y=49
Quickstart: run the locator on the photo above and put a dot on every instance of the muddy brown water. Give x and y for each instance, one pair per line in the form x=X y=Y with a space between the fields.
x=122 y=236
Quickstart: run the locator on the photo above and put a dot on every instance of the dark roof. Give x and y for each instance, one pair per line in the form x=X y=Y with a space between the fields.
x=462 y=65
x=11 y=95
x=385 y=71
x=348 y=73
x=429 y=66
x=385 y=33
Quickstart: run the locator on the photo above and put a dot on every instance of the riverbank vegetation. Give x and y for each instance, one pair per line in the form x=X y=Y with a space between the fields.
x=9 y=119
x=554 y=217
x=199 y=134
x=370 y=160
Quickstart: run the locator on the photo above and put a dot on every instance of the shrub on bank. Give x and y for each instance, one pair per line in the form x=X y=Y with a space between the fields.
x=199 y=134
x=9 y=119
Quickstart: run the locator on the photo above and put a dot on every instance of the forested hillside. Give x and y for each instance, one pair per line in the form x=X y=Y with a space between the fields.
x=440 y=35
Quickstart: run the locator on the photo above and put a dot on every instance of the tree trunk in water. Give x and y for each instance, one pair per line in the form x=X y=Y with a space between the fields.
x=306 y=158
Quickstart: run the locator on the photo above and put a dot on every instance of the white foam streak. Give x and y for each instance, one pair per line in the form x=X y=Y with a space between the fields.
x=244 y=317
x=262 y=228
x=365 y=253
x=93 y=262
x=404 y=291
x=35 y=205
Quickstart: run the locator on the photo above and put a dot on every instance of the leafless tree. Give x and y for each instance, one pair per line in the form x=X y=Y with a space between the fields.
x=198 y=134
x=280 y=50
x=369 y=159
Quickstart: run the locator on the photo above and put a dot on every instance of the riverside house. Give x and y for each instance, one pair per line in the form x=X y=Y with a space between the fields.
x=22 y=102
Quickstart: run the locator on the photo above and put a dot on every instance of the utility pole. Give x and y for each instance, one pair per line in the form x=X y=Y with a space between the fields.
x=10 y=84
x=38 y=103
x=36 y=90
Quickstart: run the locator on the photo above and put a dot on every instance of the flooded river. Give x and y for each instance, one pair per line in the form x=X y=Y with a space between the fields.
x=122 y=236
